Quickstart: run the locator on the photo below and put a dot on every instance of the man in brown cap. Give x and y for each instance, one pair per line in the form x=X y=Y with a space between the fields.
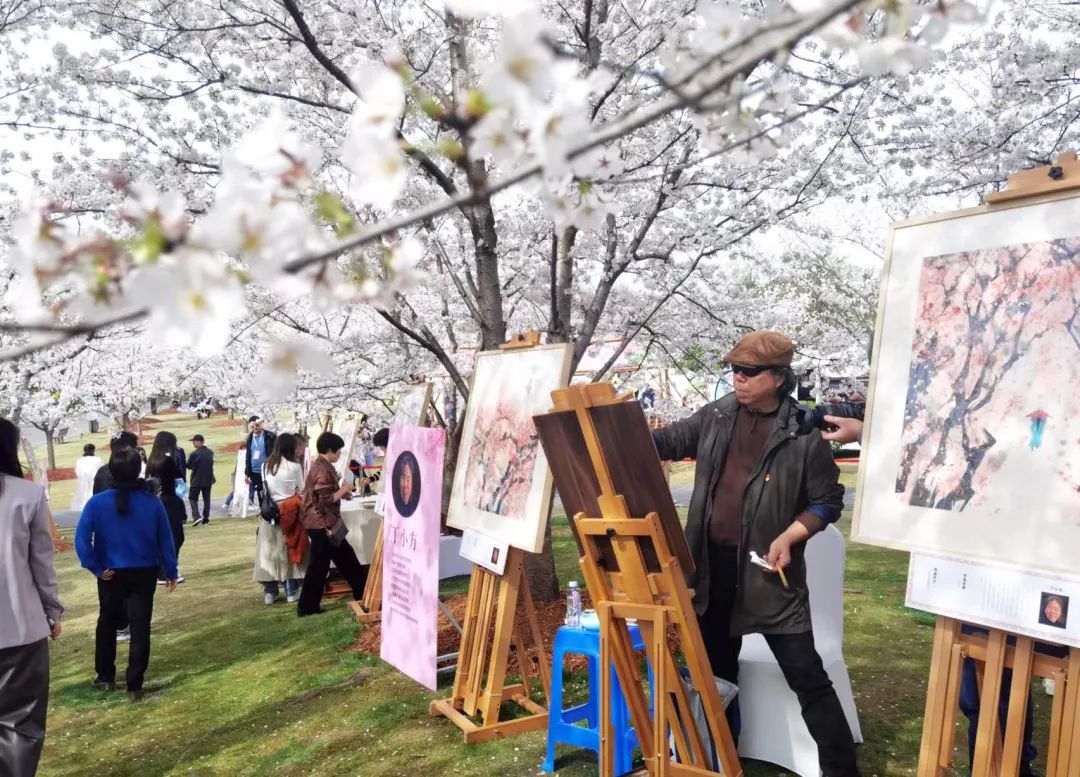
x=761 y=486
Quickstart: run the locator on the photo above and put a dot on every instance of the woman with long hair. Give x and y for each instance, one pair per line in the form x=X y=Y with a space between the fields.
x=163 y=465
x=123 y=538
x=29 y=610
x=281 y=547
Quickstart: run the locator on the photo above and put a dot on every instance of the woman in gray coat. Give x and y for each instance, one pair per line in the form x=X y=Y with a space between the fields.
x=29 y=611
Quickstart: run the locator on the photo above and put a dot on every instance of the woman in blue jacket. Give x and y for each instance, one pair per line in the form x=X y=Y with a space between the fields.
x=123 y=537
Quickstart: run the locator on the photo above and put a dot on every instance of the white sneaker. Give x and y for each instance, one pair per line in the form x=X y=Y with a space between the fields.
x=269 y=598
x=179 y=578
x=124 y=634
x=291 y=598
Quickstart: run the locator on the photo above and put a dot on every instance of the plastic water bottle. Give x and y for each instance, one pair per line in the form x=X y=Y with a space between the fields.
x=573 y=606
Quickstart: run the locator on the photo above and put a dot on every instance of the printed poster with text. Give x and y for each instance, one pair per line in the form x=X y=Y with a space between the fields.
x=410 y=608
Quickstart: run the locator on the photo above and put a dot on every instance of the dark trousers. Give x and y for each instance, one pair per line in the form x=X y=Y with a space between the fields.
x=256 y=484
x=797 y=658
x=174 y=509
x=193 y=496
x=24 y=700
x=322 y=553
x=129 y=594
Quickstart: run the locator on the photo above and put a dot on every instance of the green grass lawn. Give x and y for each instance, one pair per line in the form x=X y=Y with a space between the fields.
x=244 y=689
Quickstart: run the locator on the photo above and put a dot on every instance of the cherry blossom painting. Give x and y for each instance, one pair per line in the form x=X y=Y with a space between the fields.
x=991 y=326
x=502 y=484
x=972 y=442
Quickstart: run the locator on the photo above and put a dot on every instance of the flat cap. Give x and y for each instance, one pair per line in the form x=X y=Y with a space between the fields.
x=762 y=349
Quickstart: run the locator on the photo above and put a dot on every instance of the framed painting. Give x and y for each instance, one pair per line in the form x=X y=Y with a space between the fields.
x=502 y=484
x=972 y=437
x=413 y=406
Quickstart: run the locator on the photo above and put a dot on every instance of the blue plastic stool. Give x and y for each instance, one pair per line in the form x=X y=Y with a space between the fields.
x=561 y=728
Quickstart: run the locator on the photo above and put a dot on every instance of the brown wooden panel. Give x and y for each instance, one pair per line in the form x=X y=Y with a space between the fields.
x=628 y=449
x=571 y=468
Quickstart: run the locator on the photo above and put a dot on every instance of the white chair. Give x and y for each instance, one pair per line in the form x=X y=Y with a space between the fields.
x=773 y=729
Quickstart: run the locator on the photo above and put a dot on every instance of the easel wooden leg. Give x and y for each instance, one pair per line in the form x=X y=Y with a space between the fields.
x=952 y=703
x=936 y=704
x=1054 y=765
x=1019 y=689
x=369 y=608
x=1069 y=763
x=988 y=739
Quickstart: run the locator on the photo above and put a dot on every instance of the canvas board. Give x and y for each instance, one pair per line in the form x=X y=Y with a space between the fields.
x=413 y=406
x=410 y=608
x=972 y=440
x=345 y=426
x=502 y=484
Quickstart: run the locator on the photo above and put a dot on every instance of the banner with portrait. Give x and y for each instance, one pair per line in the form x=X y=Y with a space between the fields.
x=412 y=504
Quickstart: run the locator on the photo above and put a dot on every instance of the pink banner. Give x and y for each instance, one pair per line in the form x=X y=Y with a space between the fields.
x=413 y=499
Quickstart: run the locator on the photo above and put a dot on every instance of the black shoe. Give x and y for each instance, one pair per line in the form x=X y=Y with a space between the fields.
x=103 y=685
x=1027 y=771
x=302 y=614
x=136 y=696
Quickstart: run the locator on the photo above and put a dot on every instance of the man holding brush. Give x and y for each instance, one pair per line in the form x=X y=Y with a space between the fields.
x=762 y=487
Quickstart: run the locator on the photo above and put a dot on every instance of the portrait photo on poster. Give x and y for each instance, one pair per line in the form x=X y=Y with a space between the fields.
x=1054 y=610
x=405 y=484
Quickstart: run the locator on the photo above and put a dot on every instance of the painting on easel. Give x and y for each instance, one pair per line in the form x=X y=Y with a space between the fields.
x=413 y=406
x=979 y=338
x=502 y=484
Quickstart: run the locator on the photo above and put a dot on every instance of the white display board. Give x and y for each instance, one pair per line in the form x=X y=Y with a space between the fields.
x=1036 y=604
x=488 y=552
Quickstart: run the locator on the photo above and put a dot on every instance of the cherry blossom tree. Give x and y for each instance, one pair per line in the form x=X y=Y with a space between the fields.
x=577 y=171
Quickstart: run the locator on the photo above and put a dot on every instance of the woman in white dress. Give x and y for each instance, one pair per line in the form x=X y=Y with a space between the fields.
x=85 y=469
x=283 y=475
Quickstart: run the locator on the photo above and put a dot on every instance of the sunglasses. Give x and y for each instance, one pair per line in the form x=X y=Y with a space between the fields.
x=750 y=372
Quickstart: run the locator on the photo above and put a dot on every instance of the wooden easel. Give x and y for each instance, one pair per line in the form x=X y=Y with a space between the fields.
x=369 y=609
x=649 y=586
x=997 y=752
x=491 y=630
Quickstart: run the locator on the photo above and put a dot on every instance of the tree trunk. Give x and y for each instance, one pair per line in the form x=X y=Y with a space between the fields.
x=50 y=443
x=540 y=567
x=125 y=420
x=153 y=405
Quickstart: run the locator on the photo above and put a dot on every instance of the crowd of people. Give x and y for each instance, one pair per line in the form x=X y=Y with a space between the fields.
x=129 y=535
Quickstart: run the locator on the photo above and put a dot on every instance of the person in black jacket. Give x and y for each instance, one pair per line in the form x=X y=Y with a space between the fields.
x=103 y=480
x=163 y=468
x=201 y=465
x=761 y=486
x=259 y=445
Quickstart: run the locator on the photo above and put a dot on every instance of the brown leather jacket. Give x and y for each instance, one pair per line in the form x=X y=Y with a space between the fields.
x=321 y=509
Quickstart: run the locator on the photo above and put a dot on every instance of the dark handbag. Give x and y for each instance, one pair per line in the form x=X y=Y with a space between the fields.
x=338 y=534
x=268 y=508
